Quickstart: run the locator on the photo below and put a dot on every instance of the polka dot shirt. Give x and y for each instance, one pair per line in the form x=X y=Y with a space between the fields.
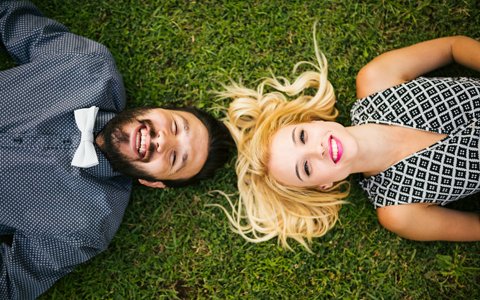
x=53 y=216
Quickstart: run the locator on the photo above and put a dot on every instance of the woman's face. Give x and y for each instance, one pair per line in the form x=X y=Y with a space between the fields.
x=312 y=154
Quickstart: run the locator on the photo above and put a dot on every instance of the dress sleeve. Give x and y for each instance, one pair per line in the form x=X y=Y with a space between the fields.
x=27 y=35
x=21 y=261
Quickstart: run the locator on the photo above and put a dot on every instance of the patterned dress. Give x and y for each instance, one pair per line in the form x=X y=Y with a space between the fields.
x=447 y=170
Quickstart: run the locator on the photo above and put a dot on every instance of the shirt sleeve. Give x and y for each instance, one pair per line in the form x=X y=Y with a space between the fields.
x=32 y=262
x=31 y=265
x=27 y=35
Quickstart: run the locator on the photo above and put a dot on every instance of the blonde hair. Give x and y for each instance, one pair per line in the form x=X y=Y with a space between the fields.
x=267 y=208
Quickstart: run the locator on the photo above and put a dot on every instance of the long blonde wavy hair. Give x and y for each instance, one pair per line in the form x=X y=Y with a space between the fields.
x=267 y=208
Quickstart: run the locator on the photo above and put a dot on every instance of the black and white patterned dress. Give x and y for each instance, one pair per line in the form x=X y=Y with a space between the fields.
x=447 y=170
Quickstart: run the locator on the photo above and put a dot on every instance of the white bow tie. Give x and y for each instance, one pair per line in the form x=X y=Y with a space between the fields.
x=85 y=156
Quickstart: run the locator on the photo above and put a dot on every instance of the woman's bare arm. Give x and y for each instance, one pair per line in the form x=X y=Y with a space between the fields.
x=404 y=64
x=426 y=222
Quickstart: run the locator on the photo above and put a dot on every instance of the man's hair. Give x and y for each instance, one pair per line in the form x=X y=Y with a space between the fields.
x=220 y=146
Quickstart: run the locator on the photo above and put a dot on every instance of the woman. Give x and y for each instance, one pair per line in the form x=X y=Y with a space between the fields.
x=415 y=140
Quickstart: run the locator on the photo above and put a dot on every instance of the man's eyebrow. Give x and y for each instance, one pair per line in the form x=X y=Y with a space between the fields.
x=185 y=124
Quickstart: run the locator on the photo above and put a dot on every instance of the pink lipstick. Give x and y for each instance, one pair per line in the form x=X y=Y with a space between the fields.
x=335 y=150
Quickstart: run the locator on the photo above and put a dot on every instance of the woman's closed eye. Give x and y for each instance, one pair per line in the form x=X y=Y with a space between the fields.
x=306 y=168
x=302 y=136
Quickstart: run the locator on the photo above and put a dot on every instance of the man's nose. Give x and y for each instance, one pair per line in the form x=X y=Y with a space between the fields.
x=163 y=141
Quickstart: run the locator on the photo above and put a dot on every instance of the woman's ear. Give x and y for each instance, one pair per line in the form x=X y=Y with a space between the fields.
x=325 y=186
x=152 y=184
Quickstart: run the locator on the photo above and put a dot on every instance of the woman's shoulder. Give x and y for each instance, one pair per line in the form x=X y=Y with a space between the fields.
x=372 y=79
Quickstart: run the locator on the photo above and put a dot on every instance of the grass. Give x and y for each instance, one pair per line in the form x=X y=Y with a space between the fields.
x=170 y=246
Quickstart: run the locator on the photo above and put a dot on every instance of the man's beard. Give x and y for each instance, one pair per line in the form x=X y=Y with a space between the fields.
x=113 y=136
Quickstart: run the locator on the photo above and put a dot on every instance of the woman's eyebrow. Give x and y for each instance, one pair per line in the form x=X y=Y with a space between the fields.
x=297 y=172
x=293 y=135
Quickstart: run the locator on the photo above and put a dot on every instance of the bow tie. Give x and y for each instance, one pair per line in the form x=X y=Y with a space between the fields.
x=85 y=156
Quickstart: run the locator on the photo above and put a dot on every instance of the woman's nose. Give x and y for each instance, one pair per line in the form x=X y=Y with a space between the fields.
x=319 y=150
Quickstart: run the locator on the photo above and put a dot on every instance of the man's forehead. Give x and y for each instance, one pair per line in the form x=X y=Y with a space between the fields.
x=180 y=110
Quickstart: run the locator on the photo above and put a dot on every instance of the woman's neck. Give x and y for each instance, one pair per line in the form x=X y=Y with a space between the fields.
x=381 y=146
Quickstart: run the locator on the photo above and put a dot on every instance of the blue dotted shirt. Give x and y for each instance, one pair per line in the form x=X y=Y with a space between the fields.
x=58 y=216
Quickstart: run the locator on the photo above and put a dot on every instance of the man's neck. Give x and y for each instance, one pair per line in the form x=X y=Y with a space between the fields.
x=100 y=140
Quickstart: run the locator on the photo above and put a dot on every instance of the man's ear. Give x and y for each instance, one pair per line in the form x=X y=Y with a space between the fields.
x=325 y=186
x=152 y=184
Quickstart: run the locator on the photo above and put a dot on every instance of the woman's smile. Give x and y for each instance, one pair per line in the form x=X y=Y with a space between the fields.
x=335 y=149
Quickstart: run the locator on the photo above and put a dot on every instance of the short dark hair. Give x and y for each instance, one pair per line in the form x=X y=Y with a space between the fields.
x=220 y=146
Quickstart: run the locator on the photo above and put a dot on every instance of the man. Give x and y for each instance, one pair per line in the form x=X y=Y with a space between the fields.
x=61 y=201
x=165 y=147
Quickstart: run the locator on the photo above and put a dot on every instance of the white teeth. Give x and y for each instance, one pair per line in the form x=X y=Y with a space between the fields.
x=334 y=150
x=142 y=149
x=137 y=142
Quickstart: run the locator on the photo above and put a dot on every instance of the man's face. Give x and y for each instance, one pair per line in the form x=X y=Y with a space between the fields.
x=163 y=144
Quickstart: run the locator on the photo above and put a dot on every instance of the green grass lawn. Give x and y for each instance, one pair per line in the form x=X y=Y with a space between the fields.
x=170 y=245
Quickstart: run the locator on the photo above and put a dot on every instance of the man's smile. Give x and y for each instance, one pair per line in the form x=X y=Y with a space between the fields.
x=140 y=140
